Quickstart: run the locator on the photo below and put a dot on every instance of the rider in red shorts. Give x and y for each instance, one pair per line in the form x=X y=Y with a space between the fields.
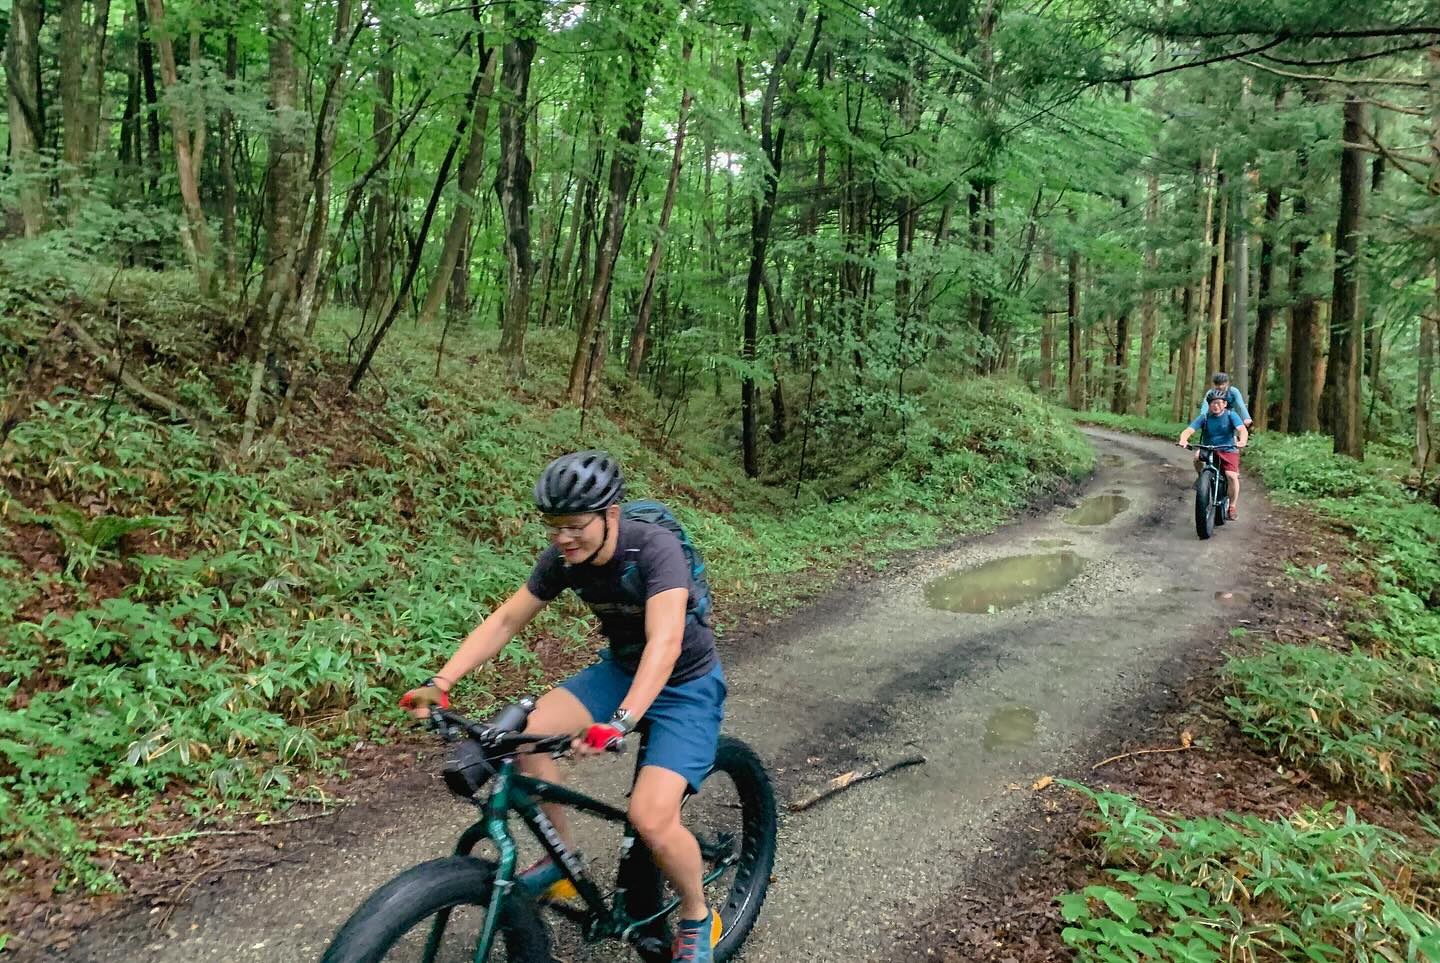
x=1221 y=428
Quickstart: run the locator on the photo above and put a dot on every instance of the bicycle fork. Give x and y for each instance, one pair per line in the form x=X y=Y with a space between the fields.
x=492 y=826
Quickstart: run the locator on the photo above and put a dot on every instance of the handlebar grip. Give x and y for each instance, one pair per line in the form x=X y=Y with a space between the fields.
x=513 y=717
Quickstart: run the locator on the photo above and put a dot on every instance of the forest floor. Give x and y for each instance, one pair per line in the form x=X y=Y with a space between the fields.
x=945 y=858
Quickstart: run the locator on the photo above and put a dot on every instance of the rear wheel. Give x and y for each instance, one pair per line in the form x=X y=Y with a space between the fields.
x=434 y=913
x=1204 y=506
x=733 y=817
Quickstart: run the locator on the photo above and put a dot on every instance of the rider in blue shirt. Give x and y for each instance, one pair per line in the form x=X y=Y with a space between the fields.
x=1221 y=428
x=1233 y=399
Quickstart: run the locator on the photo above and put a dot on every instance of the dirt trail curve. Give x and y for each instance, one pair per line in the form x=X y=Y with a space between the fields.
x=993 y=700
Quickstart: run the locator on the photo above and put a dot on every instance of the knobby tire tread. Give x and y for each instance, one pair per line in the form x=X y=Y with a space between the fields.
x=1204 y=513
x=760 y=817
x=424 y=890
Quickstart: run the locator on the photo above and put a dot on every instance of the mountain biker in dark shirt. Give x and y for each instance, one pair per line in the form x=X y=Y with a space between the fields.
x=1221 y=428
x=661 y=665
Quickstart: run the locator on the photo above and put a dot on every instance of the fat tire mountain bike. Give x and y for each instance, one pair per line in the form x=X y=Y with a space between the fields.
x=1212 y=496
x=410 y=917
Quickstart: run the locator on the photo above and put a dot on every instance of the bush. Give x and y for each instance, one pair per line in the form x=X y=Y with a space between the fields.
x=1319 y=886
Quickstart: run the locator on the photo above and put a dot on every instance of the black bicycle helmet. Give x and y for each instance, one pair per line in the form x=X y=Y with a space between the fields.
x=1219 y=378
x=585 y=481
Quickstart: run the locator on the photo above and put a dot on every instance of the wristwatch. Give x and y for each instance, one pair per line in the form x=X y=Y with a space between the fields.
x=623 y=720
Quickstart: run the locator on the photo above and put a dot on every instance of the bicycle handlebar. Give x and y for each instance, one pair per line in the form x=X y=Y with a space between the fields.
x=503 y=739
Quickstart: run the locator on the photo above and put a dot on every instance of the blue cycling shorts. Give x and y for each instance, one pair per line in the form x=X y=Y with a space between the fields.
x=684 y=720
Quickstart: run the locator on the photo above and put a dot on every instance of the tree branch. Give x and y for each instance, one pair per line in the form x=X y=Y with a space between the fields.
x=1350 y=59
x=1400 y=161
x=1355 y=81
x=1416 y=30
x=1219 y=58
x=1397 y=108
x=150 y=399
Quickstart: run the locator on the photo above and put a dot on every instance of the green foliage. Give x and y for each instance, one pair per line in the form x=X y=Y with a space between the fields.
x=1154 y=427
x=1319 y=886
x=276 y=611
x=1359 y=718
x=1371 y=717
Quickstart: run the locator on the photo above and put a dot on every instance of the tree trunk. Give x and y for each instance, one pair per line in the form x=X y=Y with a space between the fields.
x=379 y=213
x=145 y=53
x=762 y=213
x=588 y=364
x=229 y=191
x=311 y=254
x=1185 y=356
x=1119 y=403
x=283 y=175
x=777 y=389
x=647 y=285
x=82 y=59
x=512 y=179
x=1147 y=296
x=470 y=170
x=189 y=149
x=1425 y=372
x=1304 y=411
x=27 y=134
x=1347 y=322
x=1264 y=314
x=987 y=296
x=1047 y=329
x=1240 y=287
x=1217 y=284
x=1075 y=387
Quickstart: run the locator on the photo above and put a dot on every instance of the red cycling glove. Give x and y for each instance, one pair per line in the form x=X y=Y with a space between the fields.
x=425 y=696
x=603 y=736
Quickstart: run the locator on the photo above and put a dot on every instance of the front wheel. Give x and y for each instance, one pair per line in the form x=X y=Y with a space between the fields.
x=434 y=913
x=1204 y=506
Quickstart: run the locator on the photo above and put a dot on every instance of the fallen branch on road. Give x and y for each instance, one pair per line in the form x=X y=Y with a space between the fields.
x=845 y=780
x=1187 y=741
x=199 y=833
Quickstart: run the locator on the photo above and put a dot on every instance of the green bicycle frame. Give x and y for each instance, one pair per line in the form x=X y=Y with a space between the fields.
x=512 y=792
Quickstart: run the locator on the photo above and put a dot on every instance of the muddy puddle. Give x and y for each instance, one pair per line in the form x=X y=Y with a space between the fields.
x=1003 y=582
x=1052 y=543
x=1113 y=461
x=1010 y=727
x=1097 y=510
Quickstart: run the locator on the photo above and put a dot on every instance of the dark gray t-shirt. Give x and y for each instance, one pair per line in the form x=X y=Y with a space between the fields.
x=648 y=560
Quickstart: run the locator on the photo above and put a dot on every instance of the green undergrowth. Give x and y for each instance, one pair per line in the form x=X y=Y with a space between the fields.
x=1138 y=424
x=176 y=627
x=1361 y=709
x=1318 y=886
x=1364 y=709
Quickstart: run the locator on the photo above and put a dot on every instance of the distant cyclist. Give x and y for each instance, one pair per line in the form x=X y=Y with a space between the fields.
x=1234 y=400
x=1221 y=428
x=661 y=665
